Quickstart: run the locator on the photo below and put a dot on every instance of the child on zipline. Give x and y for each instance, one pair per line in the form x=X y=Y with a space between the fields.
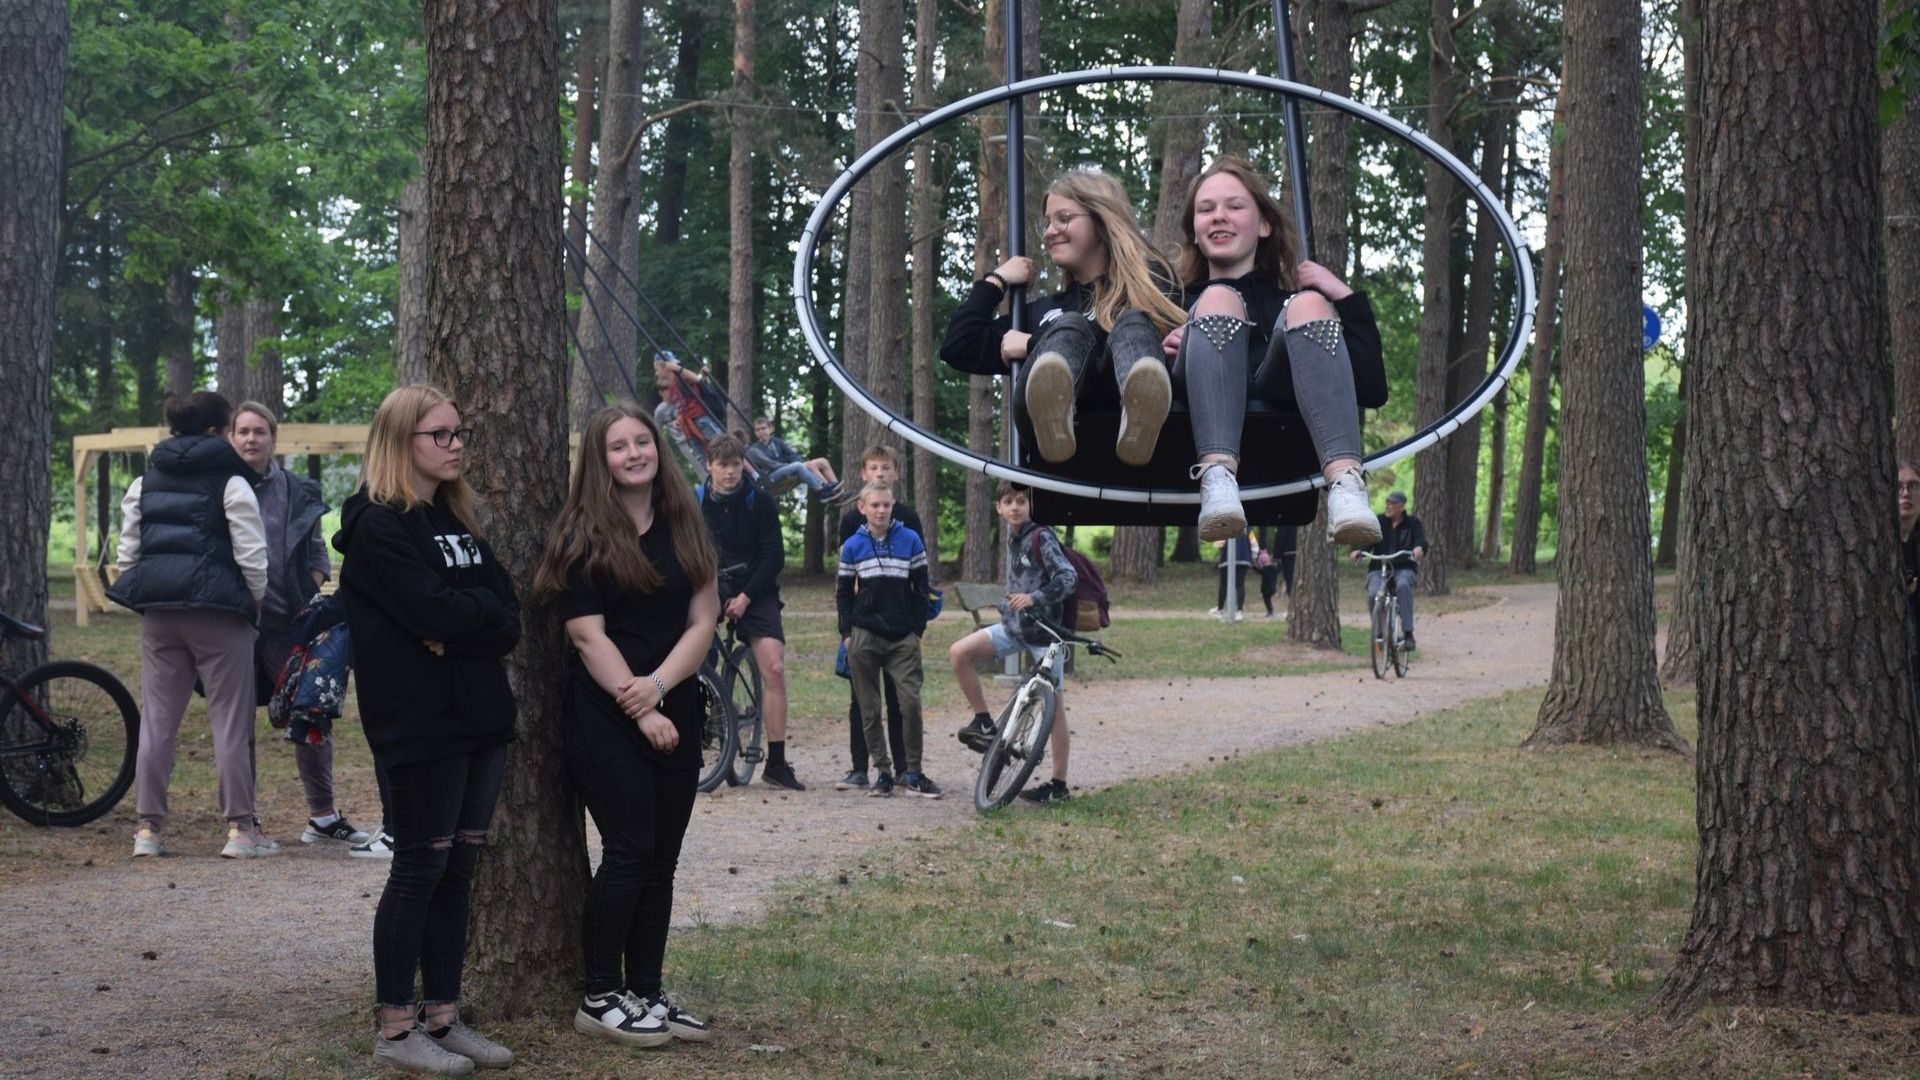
x=1266 y=325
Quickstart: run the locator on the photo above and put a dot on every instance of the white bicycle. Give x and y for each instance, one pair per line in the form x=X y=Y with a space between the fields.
x=1020 y=734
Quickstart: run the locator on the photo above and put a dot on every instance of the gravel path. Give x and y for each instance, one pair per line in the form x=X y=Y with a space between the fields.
x=164 y=969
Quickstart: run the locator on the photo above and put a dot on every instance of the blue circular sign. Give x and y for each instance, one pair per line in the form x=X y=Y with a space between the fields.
x=1649 y=327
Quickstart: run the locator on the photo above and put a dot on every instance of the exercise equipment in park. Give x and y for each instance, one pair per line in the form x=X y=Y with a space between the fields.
x=1279 y=470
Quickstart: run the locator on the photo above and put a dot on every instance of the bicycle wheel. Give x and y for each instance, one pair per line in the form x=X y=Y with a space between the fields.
x=1401 y=657
x=717 y=733
x=743 y=697
x=68 y=735
x=1382 y=627
x=1017 y=748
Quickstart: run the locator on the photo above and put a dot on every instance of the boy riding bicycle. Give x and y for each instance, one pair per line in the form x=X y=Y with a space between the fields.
x=746 y=532
x=1399 y=531
x=1040 y=582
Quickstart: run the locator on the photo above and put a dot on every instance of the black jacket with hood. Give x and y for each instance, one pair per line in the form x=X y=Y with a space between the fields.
x=409 y=578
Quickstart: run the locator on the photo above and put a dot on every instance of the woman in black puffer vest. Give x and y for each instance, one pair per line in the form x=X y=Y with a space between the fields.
x=193 y=563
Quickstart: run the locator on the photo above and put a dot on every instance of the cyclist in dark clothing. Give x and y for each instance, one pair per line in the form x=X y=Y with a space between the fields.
x=1399 y=531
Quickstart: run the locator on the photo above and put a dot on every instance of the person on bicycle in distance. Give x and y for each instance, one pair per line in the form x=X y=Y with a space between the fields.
x=432 y=614
x=879 y=463
x=1399 y=531
x=631 y=567
x=746 y=532
x=881 y=598
x=1041 y=581
x=193 y=563
x=297 y=565
x=1264 y=324
x=1111 y=311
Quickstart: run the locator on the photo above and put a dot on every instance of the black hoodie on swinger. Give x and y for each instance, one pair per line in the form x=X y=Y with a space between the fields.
x=409 y=578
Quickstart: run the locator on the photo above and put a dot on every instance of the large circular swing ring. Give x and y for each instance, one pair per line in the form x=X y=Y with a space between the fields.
x=1519 y=330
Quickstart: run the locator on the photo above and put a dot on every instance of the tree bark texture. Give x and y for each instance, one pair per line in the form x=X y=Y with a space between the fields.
x=928 y=225
x=740 y=291
x=498 y=345
x=1605 y=687
x=249 y=364
x=1900 y=180
x=1805 y=889
x=410 y=300
x=182 y=313
x=882 y=77
x=609 y=337
x=1678 y=661
x=679 y=140
x=1533 y=451
x=1436 y=301
x=983 y=400
x=33 y=80
x=1313 y=611
x=586 y=73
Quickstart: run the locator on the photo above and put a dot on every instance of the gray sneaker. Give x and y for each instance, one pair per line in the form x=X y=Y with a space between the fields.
x=1221 y=515
x=1145 y=399
x=417 y=1052
x=466 y=1042
x=1050 y=406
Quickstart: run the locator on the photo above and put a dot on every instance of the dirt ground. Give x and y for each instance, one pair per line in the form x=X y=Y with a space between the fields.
x=165 y=968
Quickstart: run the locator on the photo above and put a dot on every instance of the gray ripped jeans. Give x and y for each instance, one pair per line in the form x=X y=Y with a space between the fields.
x=1215 y=370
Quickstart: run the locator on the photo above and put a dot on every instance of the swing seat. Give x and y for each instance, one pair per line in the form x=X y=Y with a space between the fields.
x=1275 y=448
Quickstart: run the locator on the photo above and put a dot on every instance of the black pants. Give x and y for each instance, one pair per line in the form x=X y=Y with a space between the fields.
x=857 y=736
x=1270 y=583
x=441 y=810
x=641 y=808
x=1240 y=576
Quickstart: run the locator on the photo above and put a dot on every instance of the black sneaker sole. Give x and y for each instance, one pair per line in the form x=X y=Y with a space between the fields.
x=975 y=740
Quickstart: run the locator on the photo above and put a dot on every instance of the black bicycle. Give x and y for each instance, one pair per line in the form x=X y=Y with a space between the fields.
x=732 y=733
x=1390 y=648
x=69 y=732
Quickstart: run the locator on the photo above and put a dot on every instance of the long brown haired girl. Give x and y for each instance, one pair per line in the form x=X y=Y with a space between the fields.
x=632 y=570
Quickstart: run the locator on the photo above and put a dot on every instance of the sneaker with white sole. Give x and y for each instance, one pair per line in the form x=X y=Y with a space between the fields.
x=622 y=1018
x=1221 y=515
x=251 y=845
x=919 y=784
x=1351 y=521
x=377 y=846
x=681 y=1023
x=417 y=1052
x=339 y=831
x=855 y=780
x=147 y=844
x=460 y=1039
x=1050 y=406
x=1145 y=399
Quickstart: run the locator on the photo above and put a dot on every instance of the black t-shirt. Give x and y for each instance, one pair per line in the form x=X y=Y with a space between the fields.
x=644 y=627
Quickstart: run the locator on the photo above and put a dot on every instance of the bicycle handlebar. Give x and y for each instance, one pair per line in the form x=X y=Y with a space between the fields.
x=1371 y=557
x=1065 y=636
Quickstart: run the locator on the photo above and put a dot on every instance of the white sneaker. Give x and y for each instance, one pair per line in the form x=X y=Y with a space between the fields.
x=247 y=845
x=416 y=1052
x=147 y=845
x=1351 y=521
x=1221 y=515
x=1237 y=616
x=621 y=1018
x=378 y=846
x=1145 y=399
x=1050 y=407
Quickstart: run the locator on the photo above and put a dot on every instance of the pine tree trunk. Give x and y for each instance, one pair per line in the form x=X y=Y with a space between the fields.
x=609 y=340
x=497 y=342
x=820 y=525
x=249 y=362
x=740 y=285
x=928 y=227
x=182 y=313
x=33 y=79
x=586 y=71
x=679 y=140
x=1604 y=687
x=410 y=307
x=1679 y=661
x=1533 y=451
x=1186 y=544
x=1900 y=178
x=1313 y=611
x=882 y=77
x=1807 y=886
x=983 y=406
x=1436 y=315
x=857 y=285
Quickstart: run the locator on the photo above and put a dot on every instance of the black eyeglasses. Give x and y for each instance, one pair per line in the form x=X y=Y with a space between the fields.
x=1910 y=487
x=443 y=438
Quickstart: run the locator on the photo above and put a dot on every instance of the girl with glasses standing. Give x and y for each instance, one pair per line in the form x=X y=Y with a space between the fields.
x=431 y=613
x=1111 y=305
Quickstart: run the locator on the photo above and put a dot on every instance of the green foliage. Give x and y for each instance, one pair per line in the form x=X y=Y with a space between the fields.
x=1899 y=59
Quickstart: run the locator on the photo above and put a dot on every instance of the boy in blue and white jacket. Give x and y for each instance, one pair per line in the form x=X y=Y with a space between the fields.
x=882 y=601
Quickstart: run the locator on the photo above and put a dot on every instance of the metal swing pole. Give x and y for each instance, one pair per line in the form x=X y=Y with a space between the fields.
x=1016 y=247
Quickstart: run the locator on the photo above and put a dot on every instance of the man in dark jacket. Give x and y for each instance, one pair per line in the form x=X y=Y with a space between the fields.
x=1399 y=531
x=746 y=534
x=297 y=565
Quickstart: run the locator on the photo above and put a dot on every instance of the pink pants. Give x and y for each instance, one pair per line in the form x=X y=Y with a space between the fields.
x=175 y=648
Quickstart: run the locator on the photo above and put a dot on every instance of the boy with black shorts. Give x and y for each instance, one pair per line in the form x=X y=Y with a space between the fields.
x=747 y=531
x=878 y=464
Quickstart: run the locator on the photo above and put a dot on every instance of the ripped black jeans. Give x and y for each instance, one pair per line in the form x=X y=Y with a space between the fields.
x=439 y=811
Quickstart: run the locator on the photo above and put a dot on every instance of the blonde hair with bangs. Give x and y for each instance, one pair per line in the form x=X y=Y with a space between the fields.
x=1132 y=263
x=387 y=470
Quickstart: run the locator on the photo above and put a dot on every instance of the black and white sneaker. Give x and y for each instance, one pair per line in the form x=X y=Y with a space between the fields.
x=920 y=784
x=621 y=1017
x=1050 y=792
x=978 y=735
x=681 y=1023
x=882 y=786
x=339 y=831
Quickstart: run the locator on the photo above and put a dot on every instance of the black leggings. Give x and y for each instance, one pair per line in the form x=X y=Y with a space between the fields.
x=440 y=812
x=641 y=808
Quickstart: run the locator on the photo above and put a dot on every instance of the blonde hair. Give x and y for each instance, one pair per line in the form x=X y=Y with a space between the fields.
x=874 y=487
x=387 y=472
x=261 y=411
x=1136 y=276
x=593 y=528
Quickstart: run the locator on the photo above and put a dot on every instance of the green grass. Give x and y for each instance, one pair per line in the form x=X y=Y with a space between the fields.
x=1422 y=901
